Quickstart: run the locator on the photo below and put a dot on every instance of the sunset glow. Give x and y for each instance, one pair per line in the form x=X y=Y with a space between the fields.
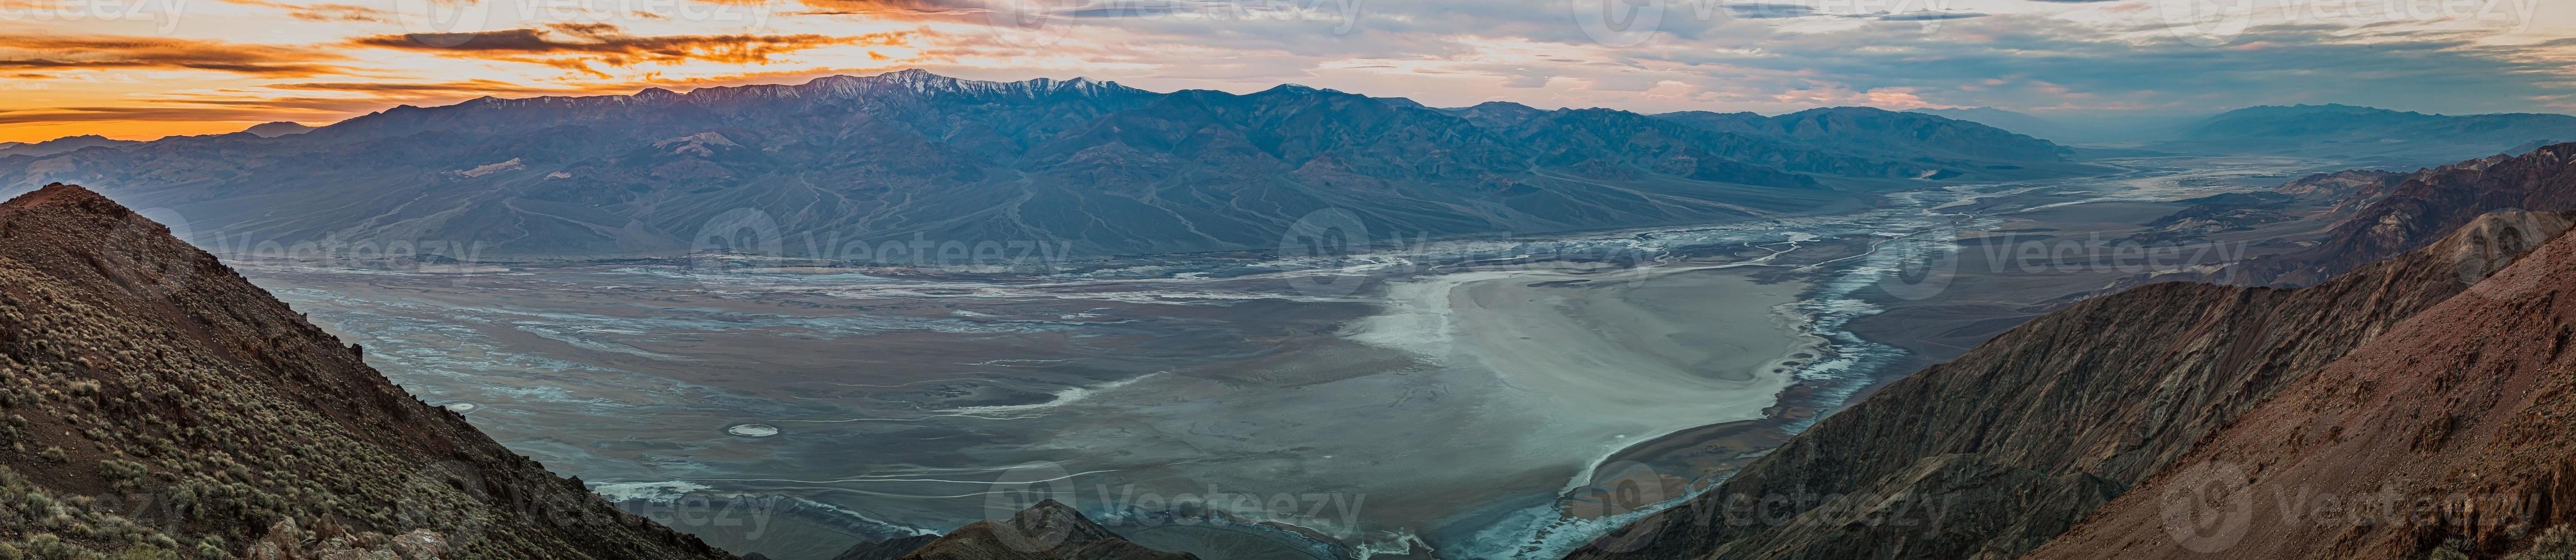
x=140 y=69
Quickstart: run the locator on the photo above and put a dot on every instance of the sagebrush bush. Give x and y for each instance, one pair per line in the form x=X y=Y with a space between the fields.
x=2558 y=543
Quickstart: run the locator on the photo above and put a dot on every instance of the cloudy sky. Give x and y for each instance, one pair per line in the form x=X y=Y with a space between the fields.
x=148 y=68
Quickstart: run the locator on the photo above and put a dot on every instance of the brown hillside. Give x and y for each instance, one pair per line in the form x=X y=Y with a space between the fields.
x=157 y=405
x=1996 y=452
x=2452 y=436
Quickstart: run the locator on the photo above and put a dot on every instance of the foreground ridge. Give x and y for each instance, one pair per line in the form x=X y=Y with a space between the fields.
x=158 y=405
x=2023 y=436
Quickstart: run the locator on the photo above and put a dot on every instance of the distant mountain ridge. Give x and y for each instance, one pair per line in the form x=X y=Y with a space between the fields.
x=276 y=129
x=2386 y=214
x=59 y=146
x=1879 y=129
x=913 y=155
x=2400 y=138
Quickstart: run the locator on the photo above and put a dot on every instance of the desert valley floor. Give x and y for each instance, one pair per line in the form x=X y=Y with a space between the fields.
x=1457 y=398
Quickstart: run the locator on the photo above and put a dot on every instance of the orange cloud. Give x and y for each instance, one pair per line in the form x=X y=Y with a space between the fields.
x=576 y=46
x=33 y=52
x=323 y=13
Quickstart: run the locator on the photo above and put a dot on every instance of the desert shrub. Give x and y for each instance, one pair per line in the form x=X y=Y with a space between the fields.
x=2559 y=543
x=46 y=546
x=122 y=475
x=142 y=553
x=53 y=454
x=2447 y=552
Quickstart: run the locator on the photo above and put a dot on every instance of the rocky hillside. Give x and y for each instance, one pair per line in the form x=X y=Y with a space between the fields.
x=157 y=406
x=849 y=161
x=1995 y=453
x=2445 y=437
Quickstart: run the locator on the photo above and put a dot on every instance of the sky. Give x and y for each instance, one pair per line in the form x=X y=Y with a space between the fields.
x=140 y=69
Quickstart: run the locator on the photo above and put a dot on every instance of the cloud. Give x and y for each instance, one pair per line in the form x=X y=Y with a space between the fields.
x=576 y=46
x=1921 y=16
x=323 y=13
x=896 y=9
x=47 y=52
x=475 y=87
x=111 y=113
x=1762 y=10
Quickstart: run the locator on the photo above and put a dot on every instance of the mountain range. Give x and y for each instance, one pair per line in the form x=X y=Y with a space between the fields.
x=59 y=146
x=2370 y=136
x=911 y=155
x=2068 y=128
x=2351 y=135
x=2383 y=214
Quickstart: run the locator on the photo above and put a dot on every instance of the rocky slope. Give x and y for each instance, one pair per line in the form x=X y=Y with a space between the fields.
x=846 y=162
x=1995 y=453
x=156 y=405
x=2446 y=437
